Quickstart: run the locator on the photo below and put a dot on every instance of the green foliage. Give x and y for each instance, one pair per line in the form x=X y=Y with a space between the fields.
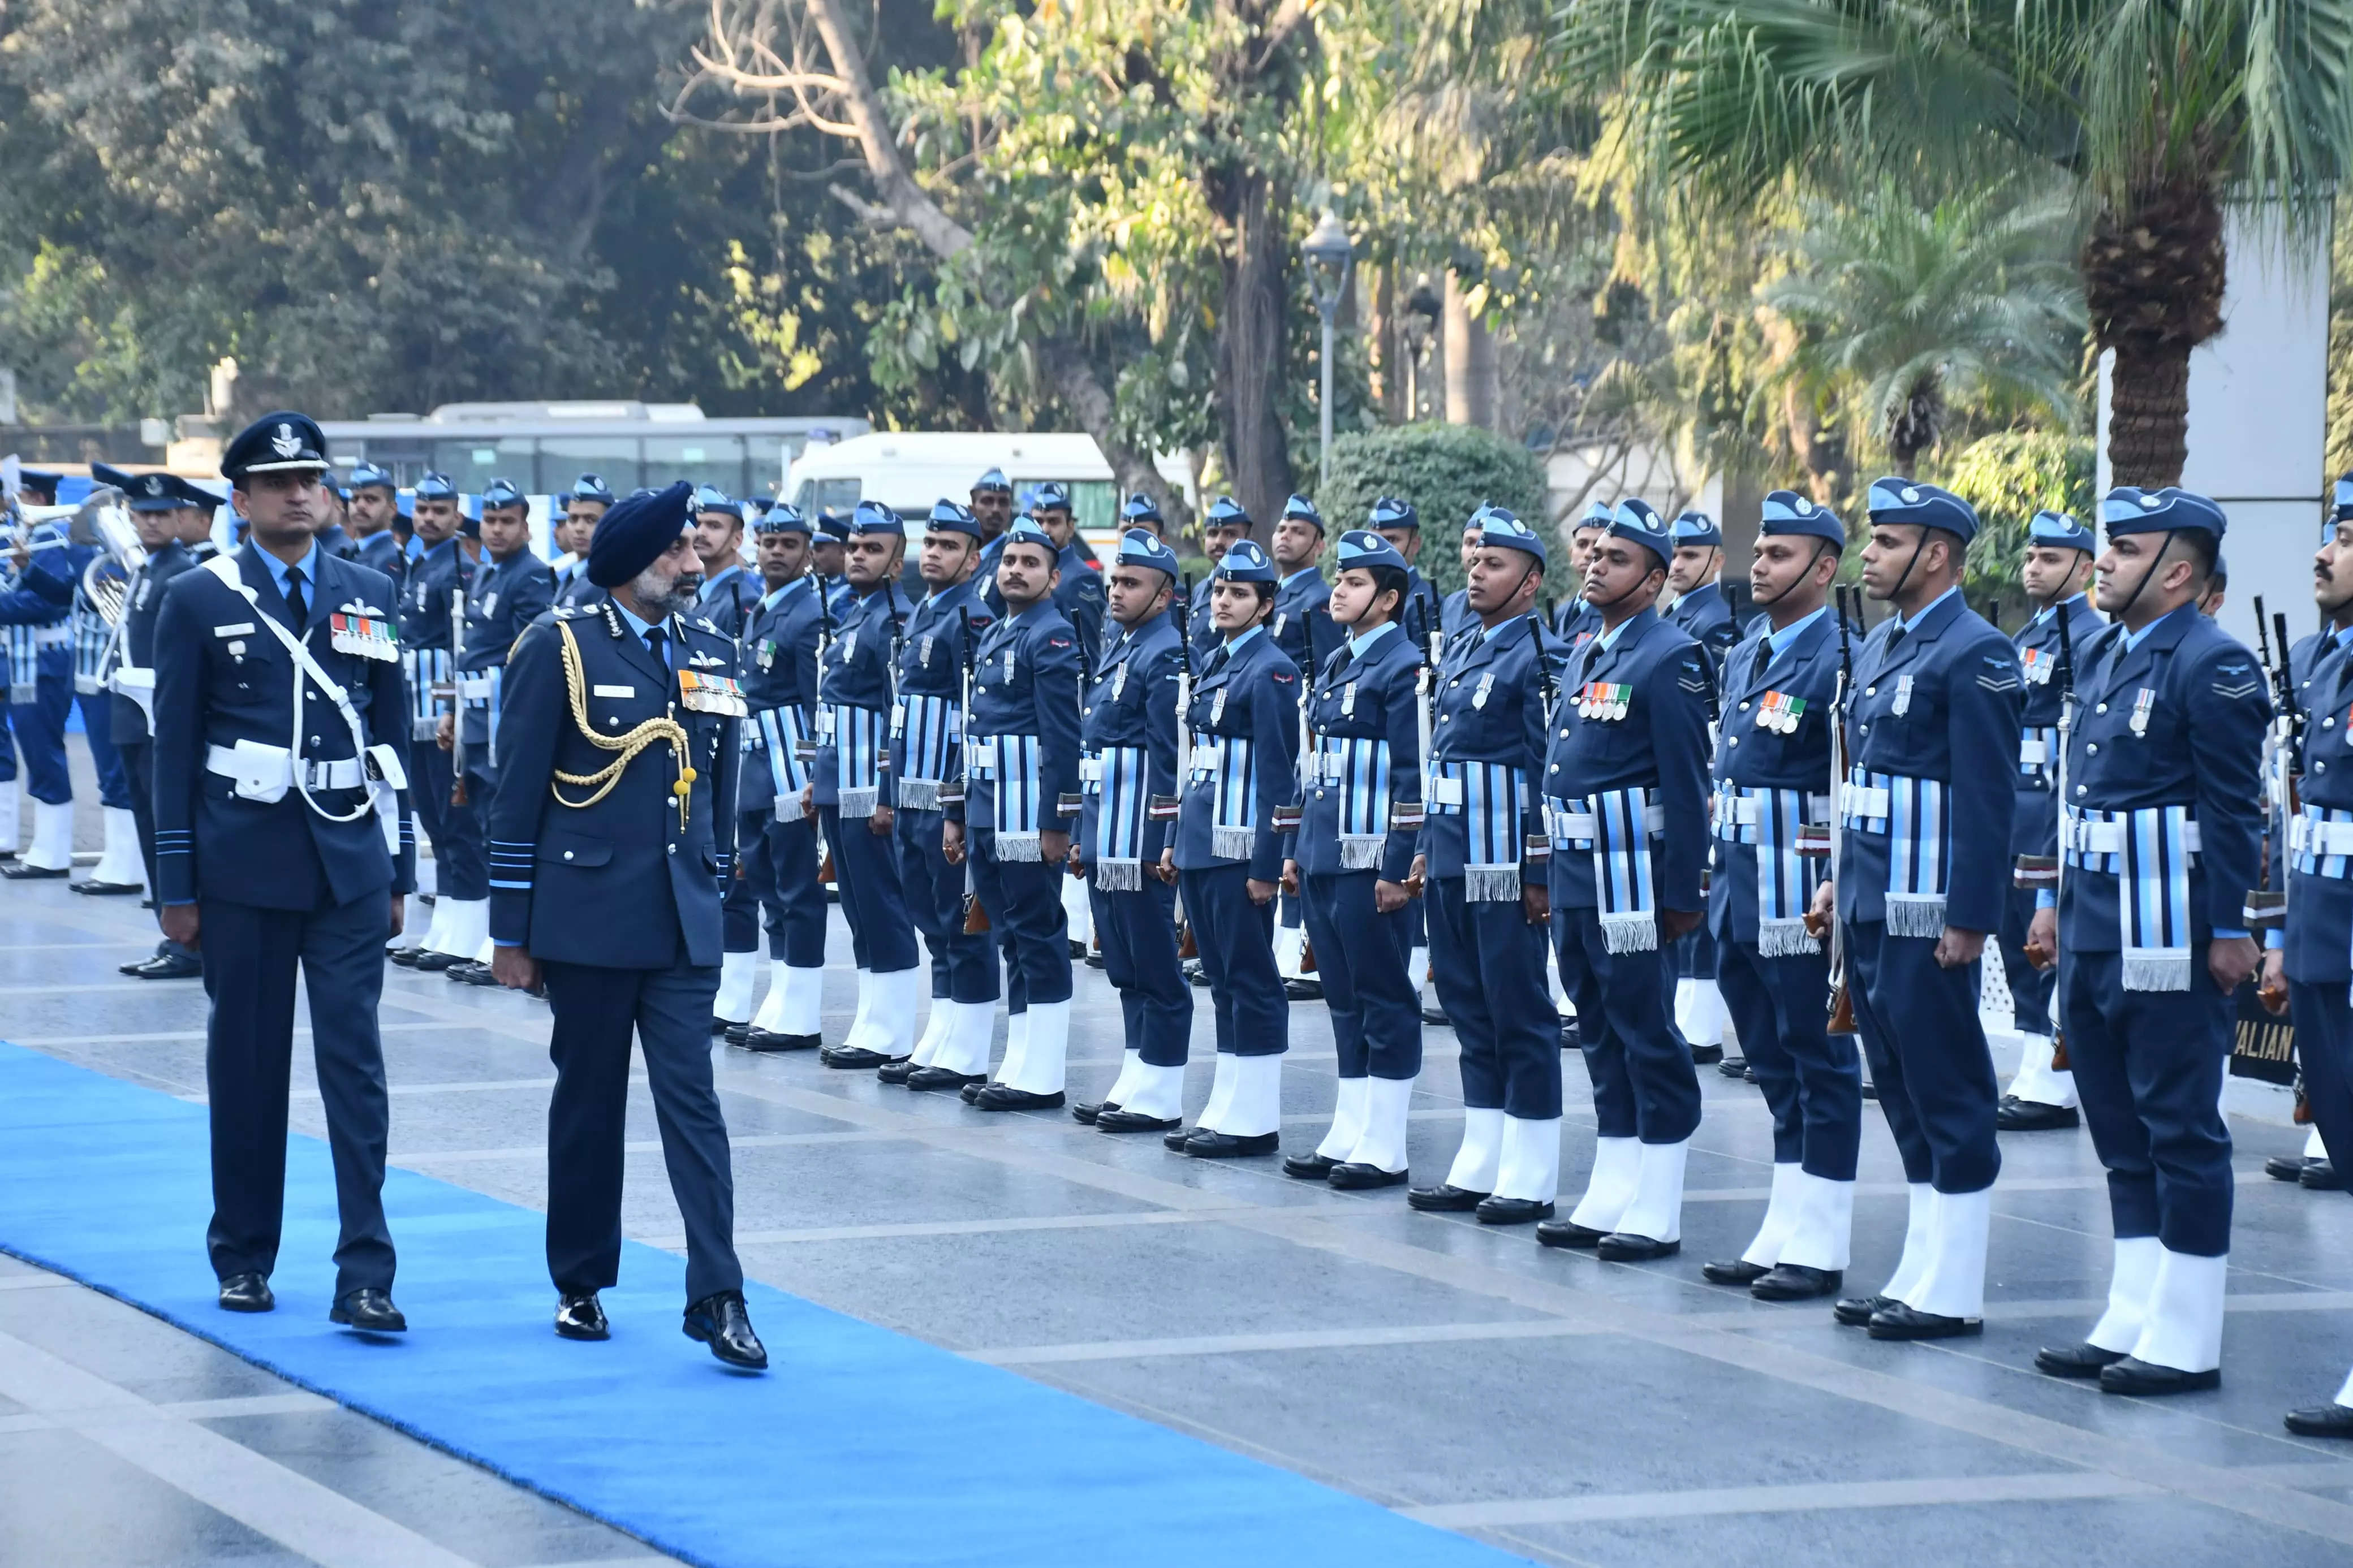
x=1445 y=471
x=2339 y=460
x=2009 y=477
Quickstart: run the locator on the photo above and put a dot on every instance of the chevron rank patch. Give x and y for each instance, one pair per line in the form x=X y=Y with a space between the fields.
x=2000 y=674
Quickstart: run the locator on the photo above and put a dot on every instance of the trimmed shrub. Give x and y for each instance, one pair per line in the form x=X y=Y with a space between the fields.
x=1446 y=471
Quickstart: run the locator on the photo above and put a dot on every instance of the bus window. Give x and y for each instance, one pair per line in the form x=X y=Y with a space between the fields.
x=1094 y=503
x=613 y=459
x=472 y=462
x=816 y=496
x=766 y=457
x=705 y=460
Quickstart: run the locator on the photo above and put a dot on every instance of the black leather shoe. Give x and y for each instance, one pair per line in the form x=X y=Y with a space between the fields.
x=1625 y=1247
x=943 y=1077
x=1748 y=1074
x=405 y=957
x=766 y=1040
x=474 y=975
x=719 y=1025
x=1114 y=1119
x=2320 y=1176
x=1431 y=1013
x=1443 y=1198
x=854 y=1059
x=581 y=1318
x=1738 y=1271
x=147 y=903
x=1567 y=1233
x=1571 y=1038
x=738 y=1034
x=171 y=966
x=1085 y=1112
x=434 y=962
x=721 y=1323
x=1078 y=950
x=1901 y=1320
x=1308 y=1167
x=1870 y=1090
x=2285 y=1167
x=896 y=1071
x=1795 y=1283
x=1703 y=1055
x=2147 y=1380
x=2075 y=1361
x=2016 y=1115
x=1493 y=1210
x=2322 y=1421
x=1355 y=1177
x=970 y=1092
x=1204 y=1145
x=1194 y=974
x=1856 y=1312
x=1733 y=1067
x=1005 y=1097
x=22 y=872
x=247 y=1293
x=1096 y=961
x=370 y=1310
x=1303 y=990
x=99 y=889
x=1174 y=1139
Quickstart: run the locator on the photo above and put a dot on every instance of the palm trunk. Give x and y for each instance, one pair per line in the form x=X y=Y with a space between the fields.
x=1474 y=382
x=2153 y=278
x=1251 y=351
x=2148 y=412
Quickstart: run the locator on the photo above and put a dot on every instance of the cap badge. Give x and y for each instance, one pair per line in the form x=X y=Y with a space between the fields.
x=284 y=442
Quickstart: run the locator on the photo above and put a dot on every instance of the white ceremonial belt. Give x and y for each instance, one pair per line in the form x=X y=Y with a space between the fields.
x=1863 y=800
x=474 y=686
x=1587 y=824
x=1205 y=758
x=269 y=767
x=2108 y=838
x=52 y=637
x=2311 y=836
x=1446 y=790
x=1090 y=770
x=2033 y=752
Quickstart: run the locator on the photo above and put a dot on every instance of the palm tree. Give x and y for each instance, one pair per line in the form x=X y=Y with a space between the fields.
x=1912 y=312
x=2157 y=111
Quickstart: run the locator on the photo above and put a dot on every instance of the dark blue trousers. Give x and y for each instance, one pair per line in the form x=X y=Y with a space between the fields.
x=249 y=956
x=1138 y=932
x=41 y=730
x=751 y=889
x=1643 y=1082
x=1695 y=956
x=1488 y=963
x=796 y=920
x=1360 y=957
x=2148 y=1065
x=460 y=865
x=866 y=872
x=7 y=730
x=1812 y=1082
x=597 y=1012
x=1929 y=1057
x=98 y=729
x=964 y=968
x=1024 y=900
x=2030 y=988
x=2324 y=1049
x=1235 y=939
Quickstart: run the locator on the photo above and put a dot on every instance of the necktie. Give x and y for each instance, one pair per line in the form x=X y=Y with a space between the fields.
x=654 y=641
x=294 y=605
x=1592 y=658
x=1764 y=657
x=1895 y=639
x=1218 y=660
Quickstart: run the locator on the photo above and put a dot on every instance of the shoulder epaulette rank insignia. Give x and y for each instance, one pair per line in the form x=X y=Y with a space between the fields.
x=701 y=693
x=2000 y=674
x=705 y=622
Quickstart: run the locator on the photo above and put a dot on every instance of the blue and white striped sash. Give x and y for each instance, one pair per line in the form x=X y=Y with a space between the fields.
x=1910 y=812
x=2150 y=852
x=1358 y=767
x=2047 y=737
x=1491 y=798
x=862 y=742
x=2316 y=847
x=24 y=665
x=426 y=668
x=1015 y=763
x=91 y=637
x=930 y=731
x=1769 y=819
x=1121 y=779
x=779 y=732
x=1231 y=760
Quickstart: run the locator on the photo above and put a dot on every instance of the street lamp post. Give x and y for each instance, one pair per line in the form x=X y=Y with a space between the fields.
x=1328 y=254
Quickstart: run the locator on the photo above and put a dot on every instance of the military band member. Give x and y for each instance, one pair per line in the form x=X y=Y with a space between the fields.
x=1360 y=819
x=1485 y=855
x=121 y=866
x=1772 y=772
x=729 y=591
x=374 y=504
x=1698 y=609
x=1624 y=794
x=618 y=748
x=2056 y=570
x=280 y=754
x=1128 y=772
x=852 y=768
x=588 y=500
x=435 y=580
x=927 y=752
x=1925 y=821
x=775 y=832
x=2162 y=830
x=1223 y=526
x=1242 y=767
x=1021 y=773
x=36 y=609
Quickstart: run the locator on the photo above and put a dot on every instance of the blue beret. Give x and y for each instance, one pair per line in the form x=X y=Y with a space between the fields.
x=1789 y=513
x=782 y=518
x=1227 y=512
x=502 y=492
x=1139 y=507
x=1499 y=529
x=831 y=526
x=2344 y=499
x=710 y=498
x=2061 y=529
x=590 y=487
x=1244 y=563
x=275 y=442
x=436 y=486
x=952 y=517
x=1478 y=517
x=1024 y=531
x=755 y=506
x=1305 y=510
x=873 y=517
x=992 y=483
x=1052 y=496
x=1142 y=547
x=1390 y=512
x=1900 y=500
x=1362 y=547
x=366 y=474
x=2127 y=510
x=1597 y=514
x=634 y=534
x=1638 y=521
x=1698 y=528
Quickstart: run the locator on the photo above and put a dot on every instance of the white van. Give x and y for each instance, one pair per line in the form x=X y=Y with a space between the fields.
x=909 y=471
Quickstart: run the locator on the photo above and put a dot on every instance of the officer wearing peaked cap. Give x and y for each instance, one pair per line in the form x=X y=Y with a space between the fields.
x=1925 y=823
x=1695 y=576
x=1772 y=772
x=2057 y=569
x=1624 y=798
x=936 y=658
x=35 y=610
x=281 y=764
x=1486 y=859
x=1128 y=772
x=618 y=754
x=2162 y=831
x=433 y=594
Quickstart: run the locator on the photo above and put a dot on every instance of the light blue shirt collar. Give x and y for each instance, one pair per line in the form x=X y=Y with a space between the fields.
x=2132 y=639
x=1609 y=637
x=641 y=627
x=1779 y=641
x=310 y=565
x=2048 y=611
x=1364 y=640
x=1908 y=622
x=2344 y=639
x=774 y=596
x=1295 y=576
x=1234 y=644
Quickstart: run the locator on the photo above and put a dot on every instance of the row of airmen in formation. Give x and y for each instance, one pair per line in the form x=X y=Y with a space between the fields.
x=1692 y=817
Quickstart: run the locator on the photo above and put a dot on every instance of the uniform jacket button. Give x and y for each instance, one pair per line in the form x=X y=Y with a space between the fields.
x=1871 y=691
x=2101 y=709
x=567 y=854
x=674 y=848
x=1743 y=708
x=1733 y=739
x=2091 y=746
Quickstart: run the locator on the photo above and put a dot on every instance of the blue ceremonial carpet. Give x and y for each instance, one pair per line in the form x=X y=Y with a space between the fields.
x=861 y=1447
